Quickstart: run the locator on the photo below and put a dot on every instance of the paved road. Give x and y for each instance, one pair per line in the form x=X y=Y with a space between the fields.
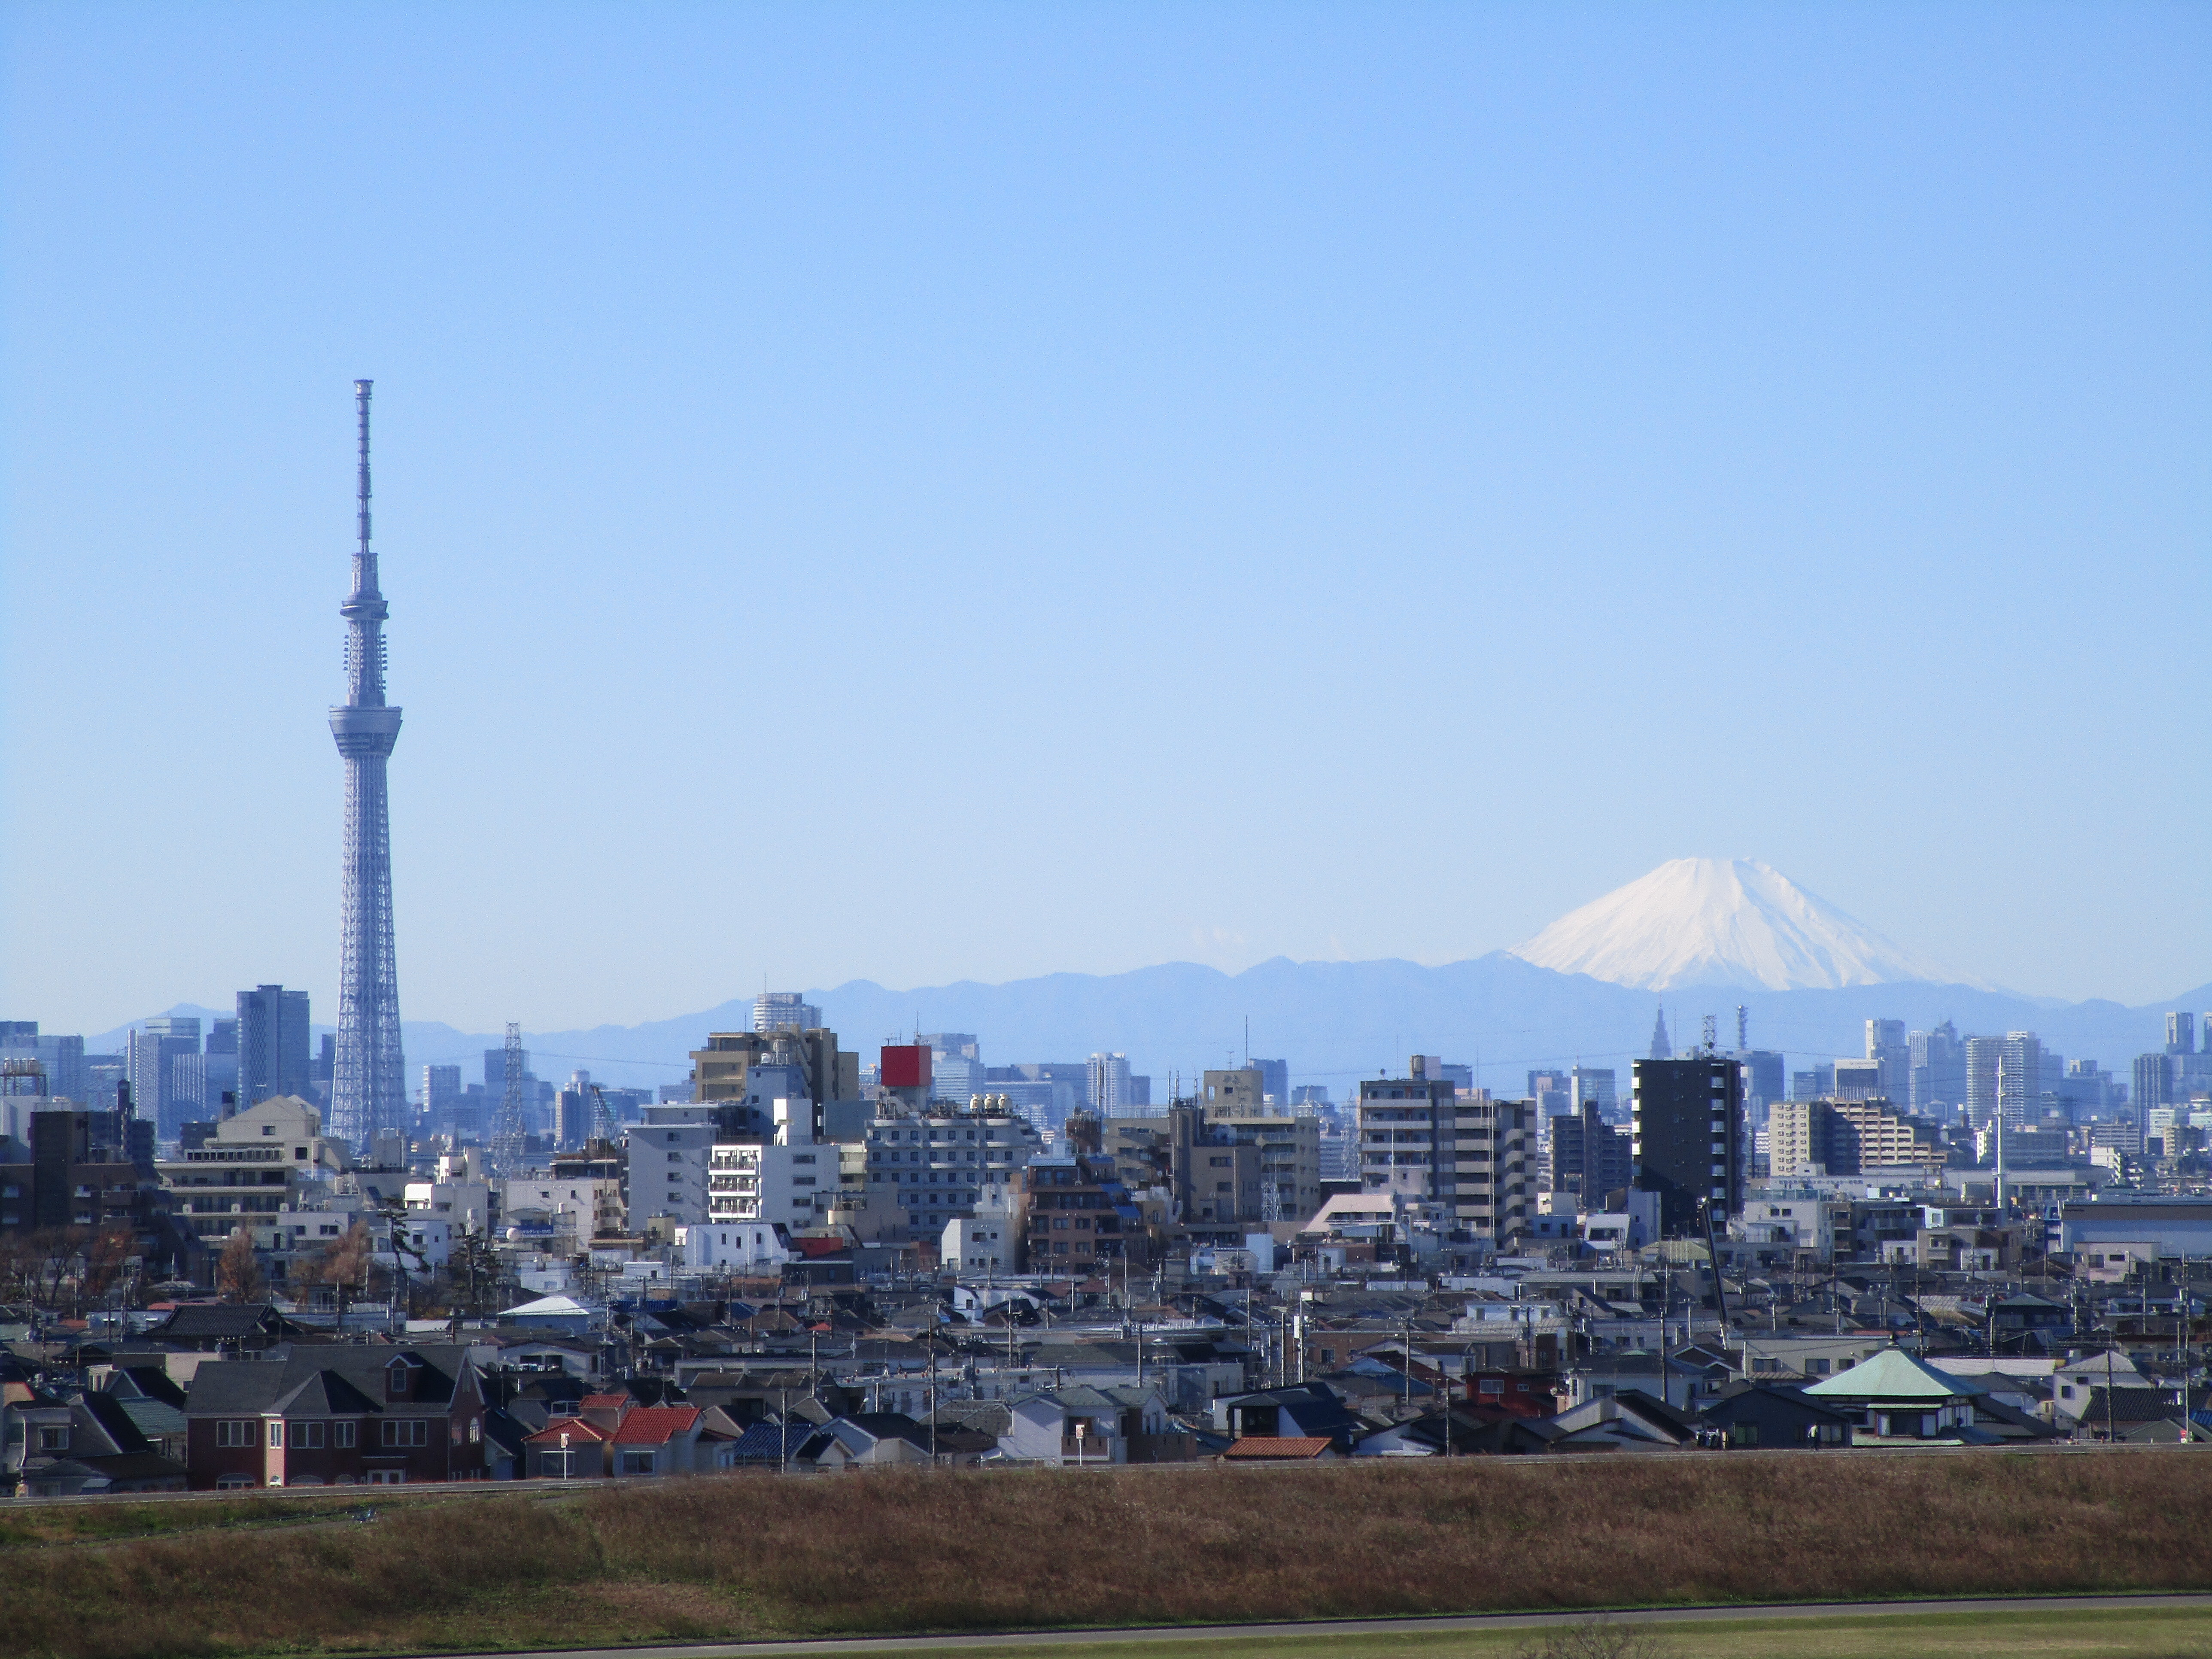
x=1365 y=1627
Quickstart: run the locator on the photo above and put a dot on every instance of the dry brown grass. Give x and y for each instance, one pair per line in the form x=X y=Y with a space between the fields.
x=914 y=1551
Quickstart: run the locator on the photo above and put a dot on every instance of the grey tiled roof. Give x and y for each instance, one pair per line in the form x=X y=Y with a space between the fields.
x=324 y=1380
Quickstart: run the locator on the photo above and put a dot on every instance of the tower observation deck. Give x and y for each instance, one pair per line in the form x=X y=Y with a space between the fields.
x=368 y=1087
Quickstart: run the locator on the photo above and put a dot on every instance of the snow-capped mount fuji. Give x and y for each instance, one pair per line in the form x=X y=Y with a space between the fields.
x=1721 y=922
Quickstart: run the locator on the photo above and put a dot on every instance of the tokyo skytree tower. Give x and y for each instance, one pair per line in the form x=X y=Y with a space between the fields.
x=369 y=1089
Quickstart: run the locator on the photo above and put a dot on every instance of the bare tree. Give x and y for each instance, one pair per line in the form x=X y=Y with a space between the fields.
x=238 y=1274
x=111 y=1256
x=1597 y=1638
x=55 y=1263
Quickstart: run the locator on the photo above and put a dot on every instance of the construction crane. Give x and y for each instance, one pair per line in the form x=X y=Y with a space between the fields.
x=603 y=1117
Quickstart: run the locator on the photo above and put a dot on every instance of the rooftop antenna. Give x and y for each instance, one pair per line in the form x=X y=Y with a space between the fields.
x=1712 y=1035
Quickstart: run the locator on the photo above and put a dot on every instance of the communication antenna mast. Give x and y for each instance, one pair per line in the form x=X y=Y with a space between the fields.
x=506 y=1140
x=1712 y=1035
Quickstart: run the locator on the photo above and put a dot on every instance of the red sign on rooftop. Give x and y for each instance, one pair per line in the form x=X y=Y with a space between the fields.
x=905 y=1065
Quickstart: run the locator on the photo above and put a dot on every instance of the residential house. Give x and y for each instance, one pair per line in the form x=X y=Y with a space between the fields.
x=1304 y=1409
x=336 y=1416
x=864 y=1440
x=155 y=1403
x=1769 y=1415
x=1894 y=1396
x=1118 y=1423
x=215 y=1328
x=1629 y=1421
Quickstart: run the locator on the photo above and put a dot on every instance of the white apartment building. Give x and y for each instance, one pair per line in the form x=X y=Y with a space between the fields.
x=579 y=1209
x=464 y=1204
x=782 y=1176
x=983 y=1243
x=949 y=1164
x=721 y=1247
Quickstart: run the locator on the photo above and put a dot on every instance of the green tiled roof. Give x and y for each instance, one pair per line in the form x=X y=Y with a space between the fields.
x=1892 y=1374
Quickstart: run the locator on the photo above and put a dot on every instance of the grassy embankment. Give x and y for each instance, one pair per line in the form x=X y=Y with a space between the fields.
x=763 y=1556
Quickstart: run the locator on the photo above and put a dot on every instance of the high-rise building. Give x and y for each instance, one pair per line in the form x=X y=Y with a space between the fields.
x=1857 y=1079
x=956 y=1069
x=784 y=1010
x=1593 y=1085
x=1274 y=1083
x=368 y=1086
x=1689 y=1138
x=1109 y=1094
x=1589 y=1157
x=61 y=1058
x=273 y=1045
x=219 y=1065
x=2180 y=1034
x=1983 y=1055
x=494 y=1069
x=722 y=1071
x=1550 y=1092
x=442 y=1088
x=149 y=1062
x=2154 y=1083
x=1938 y=1073
x=1659 y=1048
x=1888 y=1047
x=1471 y=1156
x=2020 y=1079
x=1846 y=1138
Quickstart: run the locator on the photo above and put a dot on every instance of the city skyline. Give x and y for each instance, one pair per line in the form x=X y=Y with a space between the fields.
x=1389 y=412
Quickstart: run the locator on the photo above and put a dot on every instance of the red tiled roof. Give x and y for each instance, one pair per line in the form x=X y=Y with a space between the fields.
x=602 y=1403
x=654 y=1425
x=574 y=1427
x=1277 y=1446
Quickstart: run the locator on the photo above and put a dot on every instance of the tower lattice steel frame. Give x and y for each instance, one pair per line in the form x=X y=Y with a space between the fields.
x=368 y=1089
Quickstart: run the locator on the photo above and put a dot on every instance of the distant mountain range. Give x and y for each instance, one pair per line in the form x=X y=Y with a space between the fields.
x=1696 y=937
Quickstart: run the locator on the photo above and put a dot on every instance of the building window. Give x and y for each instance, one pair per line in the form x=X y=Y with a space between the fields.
x=54 y=1439
x=414 y=1433
x=234 y=1434
x=637 y=1462
x=342 y=1436
x=307 y=1435
x=276 y=1433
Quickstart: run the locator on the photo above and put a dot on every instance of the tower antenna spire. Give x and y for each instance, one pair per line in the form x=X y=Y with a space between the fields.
x=360 y=391
x=368 y=1092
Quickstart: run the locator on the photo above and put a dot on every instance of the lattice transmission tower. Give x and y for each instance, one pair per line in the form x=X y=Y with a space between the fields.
x=510 y=1131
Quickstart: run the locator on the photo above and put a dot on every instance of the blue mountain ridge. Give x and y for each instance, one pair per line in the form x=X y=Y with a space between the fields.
x=1336 y=1022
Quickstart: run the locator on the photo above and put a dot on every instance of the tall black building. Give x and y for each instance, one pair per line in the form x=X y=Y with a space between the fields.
x=1689 y=1138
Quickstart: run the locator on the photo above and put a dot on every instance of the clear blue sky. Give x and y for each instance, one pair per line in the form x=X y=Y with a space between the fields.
x=968 y=492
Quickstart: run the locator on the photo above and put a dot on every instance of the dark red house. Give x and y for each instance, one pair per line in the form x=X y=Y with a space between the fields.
x=337 y=1417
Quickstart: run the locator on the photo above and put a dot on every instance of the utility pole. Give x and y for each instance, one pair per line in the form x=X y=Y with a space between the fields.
x=2108 y=1387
